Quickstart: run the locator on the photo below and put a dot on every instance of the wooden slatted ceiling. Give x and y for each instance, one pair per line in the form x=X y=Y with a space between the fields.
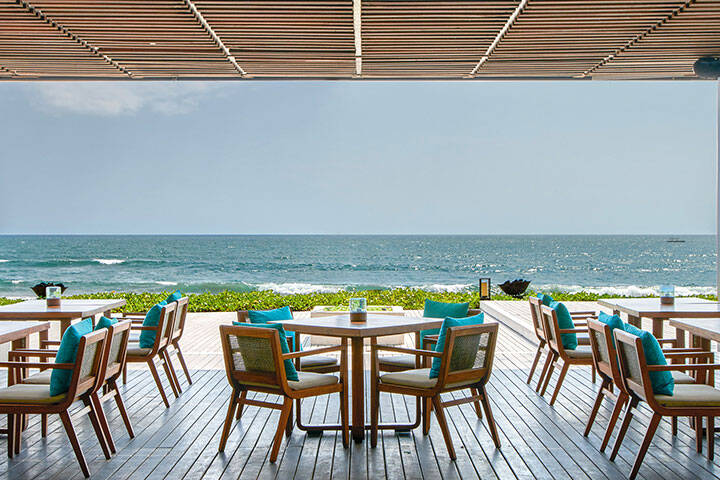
x=151 y=39
x=286 y=37
x=453 y=39
x=435 y=39
x=566 y=38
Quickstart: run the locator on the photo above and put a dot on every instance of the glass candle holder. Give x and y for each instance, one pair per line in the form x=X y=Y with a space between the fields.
x=52 y=296
x=358 y=309
x=667 y=294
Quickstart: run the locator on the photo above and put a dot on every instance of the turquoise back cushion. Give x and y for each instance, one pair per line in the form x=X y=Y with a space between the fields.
x=105 y=322
x=545 y=299
x=612 y=321
x=290 y=372
x=448 y=323
x=265 y=316
x=569 y=340
x=152 y=318
x=174 y=297
x=662 y=382
x=67 y=352
x=435 y=309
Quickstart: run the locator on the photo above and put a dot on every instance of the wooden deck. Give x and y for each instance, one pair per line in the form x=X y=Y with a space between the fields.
x=181 y=442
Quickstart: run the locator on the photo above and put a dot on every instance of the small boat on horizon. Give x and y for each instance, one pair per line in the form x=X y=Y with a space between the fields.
x=675 y=240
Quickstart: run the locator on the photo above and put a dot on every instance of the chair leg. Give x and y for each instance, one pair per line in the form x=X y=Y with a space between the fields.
x=710 y=430
x=427 y=411
x=43 y=425
x=182 y=362
x=65 y=417
x=171 y=366
x=284 y=414
x=18 y=433
x=698 y=434
x=440 y=415
x=374 y=412
x=121 y=407
x=243 y=395
x=289 y=424
x=674 y=425
x=345 y=417
x=623 y=428
x=654 y=421
x=102 y=419
x=596 y=407
x=158 y=382
x=96 y=427
x=594 y=373
x=490 y=418
x=548 y=374
x=561 y=378
x=619 y=404
x=11 y=435
x=543 y=373
x=125 y=374
x=538 y=354
x=228 y=420
x=168 y=373
x=478 y=408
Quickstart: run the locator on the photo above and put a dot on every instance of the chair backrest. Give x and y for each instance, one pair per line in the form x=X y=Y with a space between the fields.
x=536 y=315
x=88 y=370
x=604 y=352
x=253 y=356
x=166 y=325
x=551 y=328
x=633 y=366
x=468 y=354
x=181 y=310
x=243 y=316
x=116 y=349
x=473 y=311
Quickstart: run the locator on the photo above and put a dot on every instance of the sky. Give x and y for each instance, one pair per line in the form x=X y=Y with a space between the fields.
x=358 y=157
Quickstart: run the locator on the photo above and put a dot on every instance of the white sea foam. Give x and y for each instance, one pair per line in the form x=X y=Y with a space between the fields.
x=291 y=288
x=108 y=261
x=629 y=290
x=167 y=283
x=15 y=282
x=440 y=287
x=3 y=261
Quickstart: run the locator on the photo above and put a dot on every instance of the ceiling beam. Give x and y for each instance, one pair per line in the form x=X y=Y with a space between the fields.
x=92 y=48
x=636 y=39
x=499 y=37
x=215 y=37
x=357 y=28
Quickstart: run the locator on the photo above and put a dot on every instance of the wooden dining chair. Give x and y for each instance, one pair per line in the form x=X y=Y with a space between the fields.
x=559 y=355
x=606 y=365
x=173 y=347
x=467 y=360
x=693 y=400
x=113 y=360
x=156 y=353
x=22 y=399
x=254 y=362
x=579 y=318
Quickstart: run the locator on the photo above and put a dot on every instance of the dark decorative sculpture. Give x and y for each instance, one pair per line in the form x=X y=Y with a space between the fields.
x=39 y=289
x=515 y=288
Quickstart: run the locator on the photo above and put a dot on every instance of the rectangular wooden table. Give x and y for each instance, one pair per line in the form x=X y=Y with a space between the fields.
x=638 y=308
x=68 y=310
x=375 y=326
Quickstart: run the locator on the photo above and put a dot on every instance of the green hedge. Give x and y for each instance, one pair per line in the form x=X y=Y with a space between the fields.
x=408 y=298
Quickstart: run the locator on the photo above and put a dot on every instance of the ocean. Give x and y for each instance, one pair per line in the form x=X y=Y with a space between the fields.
x=615 y=264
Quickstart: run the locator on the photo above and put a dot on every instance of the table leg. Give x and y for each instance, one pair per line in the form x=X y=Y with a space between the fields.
x=358 y=389
x=634 y=321
x=657 y=327
x=680 y=337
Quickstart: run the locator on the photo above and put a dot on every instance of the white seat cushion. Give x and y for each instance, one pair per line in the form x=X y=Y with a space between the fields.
x=691 y=396
x=416 y=378
x=40 y=378
x=29 y=394
x=682 y=378
x=317 y=361
x=311 y=380
x=580 y=352
x=134 y=350
x=403 y=361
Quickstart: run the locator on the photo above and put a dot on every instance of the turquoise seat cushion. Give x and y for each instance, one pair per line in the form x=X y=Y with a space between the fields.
x=569 y=340
x=545 y=299
x=290 y=371
x=105 y=322
x=435 y=309
x=448 y=323
x=612 y=321
x=662 y=382
x=152 y=318
x=265 y=316
x=67 y=352
x=174 y=297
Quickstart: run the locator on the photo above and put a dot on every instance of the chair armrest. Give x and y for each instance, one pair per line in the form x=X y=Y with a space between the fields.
x=141 y=327
x=62 y=366
x=412 y=351
x=315 y=351
x=133 y=314
x=430 y=340
x=32 y=353
x=49 y=342
x=573 y=330
x=590 y=313
x=704 y=355
x=683 y=366
x=580 y=324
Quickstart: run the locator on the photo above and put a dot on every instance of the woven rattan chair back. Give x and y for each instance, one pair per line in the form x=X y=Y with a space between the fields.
x=536 y=316
x=603 y=350
x=633 y=366
x=252 y=356
x=116 y=349
x=468 y=354
x=181 y=310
